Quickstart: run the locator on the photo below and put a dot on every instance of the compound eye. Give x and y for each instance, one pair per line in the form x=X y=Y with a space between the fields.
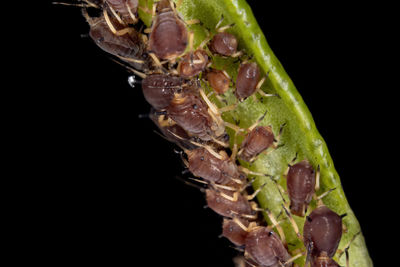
x=202 y=158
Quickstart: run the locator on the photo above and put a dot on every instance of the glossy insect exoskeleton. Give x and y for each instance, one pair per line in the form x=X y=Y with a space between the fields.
x=233 y=232
x=322 y=233
x=172 y=131
x=255 y=142
x=226 y=207
x=169 y=36
x=159 y=89
x=191 y=113
x=247 y=80
x=300 y=180
x=126 y=9
x=224 y=43
x=193 y=63
x=213 y=169
x=129 y=46
x=218 y=81
x=266 y=249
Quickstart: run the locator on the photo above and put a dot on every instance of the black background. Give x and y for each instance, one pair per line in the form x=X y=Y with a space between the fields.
x=113 y=195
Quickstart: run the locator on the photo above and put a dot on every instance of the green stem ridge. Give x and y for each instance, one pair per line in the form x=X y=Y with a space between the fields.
x=300 y=134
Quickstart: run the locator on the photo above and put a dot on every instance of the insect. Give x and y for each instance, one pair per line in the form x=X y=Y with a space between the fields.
x=159 y=89
x=248 y=81
x=233 y=232
x=125 y=11
x=169 y=35
x=322 y=233
x=301 y=181
x=129 y=47
x=193 y=63
x=218 y=80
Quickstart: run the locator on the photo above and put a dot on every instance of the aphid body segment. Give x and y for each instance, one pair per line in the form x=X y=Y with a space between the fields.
x=322 y=233
x=256 y=141
x=301 y=179
x=193 y=63
x=192 y=114
x=211 y=168
x=247 y=80
x=218 y=81
x=126 y=9
x=159 y=89
x=265 y=248
x=169 y=36
x=226 y=207
x=129 y=46
x=224 y=43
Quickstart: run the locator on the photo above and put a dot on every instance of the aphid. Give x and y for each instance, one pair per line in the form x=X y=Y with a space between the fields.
x=224 y=206
x=256 y=141
x=129 y=47
x=169 y=36
x=159 y=89
x=124 y=10
x=233 y=232
x=193 y=63
x=322 y=233
x=224 y=43
x=218 y=80
x=247 y=79
x=192 y=114
x=213 y=167
x=301 y=183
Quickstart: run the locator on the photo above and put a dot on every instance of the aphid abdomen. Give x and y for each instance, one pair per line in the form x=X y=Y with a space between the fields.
x=265 y=248
x=233 y=232
x=257 y=141
x=191 y=113
x=301 y=186
x=323 y=262
x=247 y=80
x=169 y=37
x=159 y=89
x=323 y=229
x=126 y=9
x=225 y=207
x=224 y=44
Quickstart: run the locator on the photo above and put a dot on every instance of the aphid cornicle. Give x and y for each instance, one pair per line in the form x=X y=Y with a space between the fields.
x=256 y=141
x=266 y=249
x=129 y=46
x=126 y=9
x=192 y=114
x=224 y=43
x=218 y=81
x=322 y=233
x=169 y=36
x=300 y=180
x=247 y=80
x=159 y=89
x=193 y=63
x=211 y=168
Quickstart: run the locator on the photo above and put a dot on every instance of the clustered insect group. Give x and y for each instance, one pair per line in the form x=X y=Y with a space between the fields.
x=170 y=68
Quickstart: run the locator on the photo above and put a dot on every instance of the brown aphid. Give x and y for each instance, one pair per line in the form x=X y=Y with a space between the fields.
x=218 y=81
x=233 y=232
x=126 y=10
x=266 y=249
x=322 y=233
x=193 y=63
x=256 y=141
x=159 y=89
x=224 y=43
x=129 y=46
x=247 y=80
x=213 y=168
x=192 y=114
x=300 y=180
x=169 y=36
x=226 y=207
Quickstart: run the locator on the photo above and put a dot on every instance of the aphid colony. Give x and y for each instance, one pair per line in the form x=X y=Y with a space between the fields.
x=174 y=75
